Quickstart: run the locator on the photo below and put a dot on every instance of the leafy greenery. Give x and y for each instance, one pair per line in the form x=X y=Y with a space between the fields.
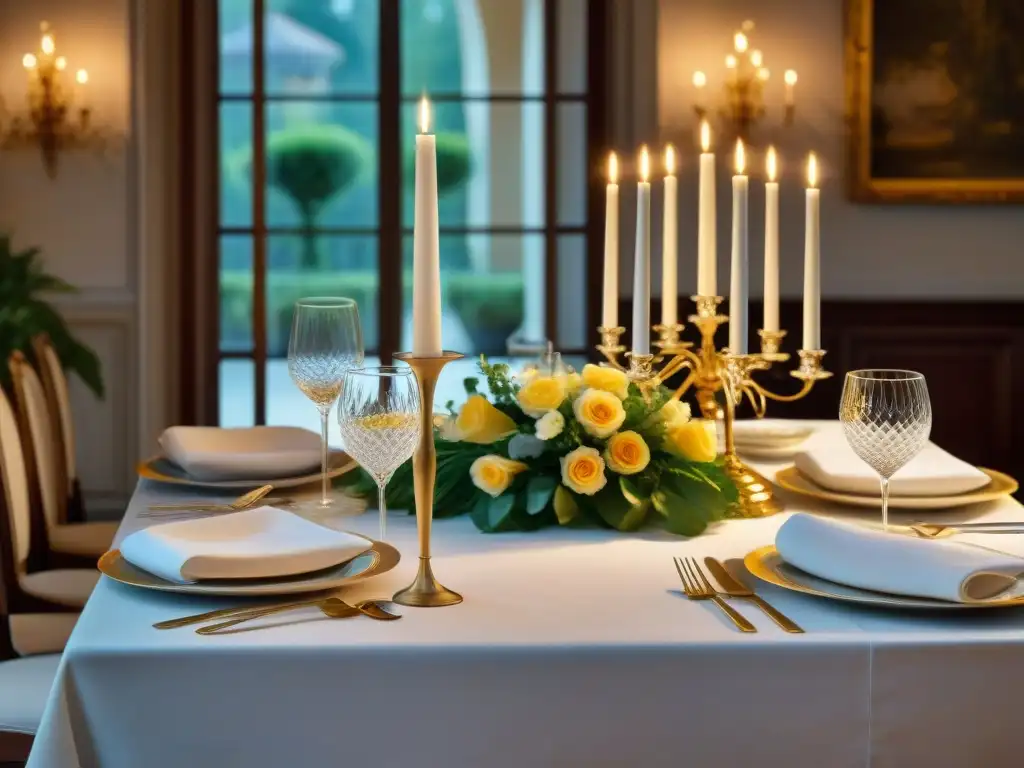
x=25 y=313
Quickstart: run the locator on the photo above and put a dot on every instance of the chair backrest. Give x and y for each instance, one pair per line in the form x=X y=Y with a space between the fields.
x=14 y=477
x=55 y=385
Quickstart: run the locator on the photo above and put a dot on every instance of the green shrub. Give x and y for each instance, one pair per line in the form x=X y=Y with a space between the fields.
x=454 y=162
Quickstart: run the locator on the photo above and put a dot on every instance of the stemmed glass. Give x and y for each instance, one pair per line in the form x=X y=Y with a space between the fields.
x=326 y=341
x=379 y=415
x=887 y=417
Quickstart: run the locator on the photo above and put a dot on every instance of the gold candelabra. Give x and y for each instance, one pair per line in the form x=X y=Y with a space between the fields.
x=711 y=371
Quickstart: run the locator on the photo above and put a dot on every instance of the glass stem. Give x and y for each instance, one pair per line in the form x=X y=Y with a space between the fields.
x=382 y=504
x=885 y=503
x=324 y=415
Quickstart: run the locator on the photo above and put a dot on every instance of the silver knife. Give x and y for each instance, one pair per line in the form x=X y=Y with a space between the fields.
x=732 y=587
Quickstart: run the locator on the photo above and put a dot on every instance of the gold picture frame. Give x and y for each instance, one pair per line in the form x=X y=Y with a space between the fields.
x=922 y=125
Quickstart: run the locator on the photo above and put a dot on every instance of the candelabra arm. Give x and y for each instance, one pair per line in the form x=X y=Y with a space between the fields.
x=808 y=385
x=683 y=358
x=685 y=386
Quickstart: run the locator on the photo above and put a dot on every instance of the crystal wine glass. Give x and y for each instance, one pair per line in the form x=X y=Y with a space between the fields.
x=326 y=341
x=887 y=417
x=379 y=415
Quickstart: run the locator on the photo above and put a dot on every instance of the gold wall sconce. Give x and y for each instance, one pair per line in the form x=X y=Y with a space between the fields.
x=58 y=117
x=746 y=78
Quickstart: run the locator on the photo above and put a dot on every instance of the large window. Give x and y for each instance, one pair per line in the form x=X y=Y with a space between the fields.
x=316 y=110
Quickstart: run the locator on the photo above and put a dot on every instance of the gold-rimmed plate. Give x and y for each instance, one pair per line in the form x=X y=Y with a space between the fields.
x=999 y=485
x=767 y=565
x=380 y=558
x=163 y=470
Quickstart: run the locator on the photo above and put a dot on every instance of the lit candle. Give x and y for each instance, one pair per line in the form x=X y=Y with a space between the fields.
x=707 y=278
x=790 y=79
x=738 y=277
x=28 y=61
x=610 y=307
x=426 y=264
x=669 y=247
x=699 y=81
x=771 y=245
x=812 y=259
x=47 y=45
x=642 y=260
x=740 y=42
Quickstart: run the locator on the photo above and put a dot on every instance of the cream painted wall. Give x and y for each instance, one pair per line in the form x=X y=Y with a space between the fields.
x=901 y=251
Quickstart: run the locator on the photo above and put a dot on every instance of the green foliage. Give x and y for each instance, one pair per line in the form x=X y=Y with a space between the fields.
x=454 y=162
x=24 y=313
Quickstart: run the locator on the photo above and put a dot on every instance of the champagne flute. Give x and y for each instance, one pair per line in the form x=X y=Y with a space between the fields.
x=379 y=415
x=326 y=341
x=886 y=417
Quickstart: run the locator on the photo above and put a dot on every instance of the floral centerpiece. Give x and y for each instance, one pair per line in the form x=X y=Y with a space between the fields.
x=564 y=448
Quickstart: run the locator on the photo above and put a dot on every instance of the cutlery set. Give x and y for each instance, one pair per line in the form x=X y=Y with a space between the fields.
x=331 y=607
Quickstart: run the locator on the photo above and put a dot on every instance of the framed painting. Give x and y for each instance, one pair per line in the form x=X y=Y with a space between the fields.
x=935 y=100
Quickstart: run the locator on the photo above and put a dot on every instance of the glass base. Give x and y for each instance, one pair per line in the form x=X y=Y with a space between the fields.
x=316 y=509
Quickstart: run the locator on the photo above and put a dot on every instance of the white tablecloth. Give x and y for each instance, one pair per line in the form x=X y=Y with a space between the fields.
x=573 y=648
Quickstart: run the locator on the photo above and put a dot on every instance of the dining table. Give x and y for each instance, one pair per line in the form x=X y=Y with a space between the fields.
x=573 y=647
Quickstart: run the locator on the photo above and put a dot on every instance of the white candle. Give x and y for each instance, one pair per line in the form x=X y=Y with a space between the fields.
x=610 y=307
x=812 y=259
x=738 y=277
x=707 y=282
x=426 y=261
x=790 y=79
x=642 y=260
x=669 y=246
x=771 y=245
x=700 y=80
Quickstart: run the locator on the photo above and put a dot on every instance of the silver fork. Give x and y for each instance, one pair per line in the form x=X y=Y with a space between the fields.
x=697 y=587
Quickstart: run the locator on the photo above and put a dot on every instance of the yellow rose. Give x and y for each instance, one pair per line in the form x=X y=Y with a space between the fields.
x=541 y=394
x=627 y=453
x=695 y=440
x=599 y=413
x=573 y=382
x=583 y=471
x=674 y=412
x=482 y=423
x=494 y=474
x=606 y=379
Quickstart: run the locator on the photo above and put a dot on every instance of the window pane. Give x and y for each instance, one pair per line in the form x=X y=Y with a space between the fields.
x=237 y=398
x=502 y=184
x=572 y=164
x=573 y=330
x=572 y=46
x=321 y=164
x=236 y=293
x=492 y=287
x=235 y=25
x=320 y=265
x=474 y=48
x=235 y=148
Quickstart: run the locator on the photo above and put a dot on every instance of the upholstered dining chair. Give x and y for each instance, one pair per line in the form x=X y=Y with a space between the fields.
x=55 y=542
x=29 y=591
x=58 y=398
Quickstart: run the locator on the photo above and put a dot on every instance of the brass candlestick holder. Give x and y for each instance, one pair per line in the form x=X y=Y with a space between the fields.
x=425 y=590
x=711 y=371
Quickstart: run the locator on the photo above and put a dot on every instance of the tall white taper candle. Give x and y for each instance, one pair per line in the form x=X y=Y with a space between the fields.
x=771 y=245
x=610 y=305
x=642 y=260
x=739 y=278
x=426 y=260
x=670 y=243
x=707 y=276
x=812 y=259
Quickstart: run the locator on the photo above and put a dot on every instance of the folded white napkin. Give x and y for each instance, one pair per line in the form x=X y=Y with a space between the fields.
x=265 y=542
x=261 y=453
x=869 y=558
x=770 y=432
x=828 y=460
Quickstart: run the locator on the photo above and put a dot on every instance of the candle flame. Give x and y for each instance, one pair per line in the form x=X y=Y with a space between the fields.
x=756 y=58
x=763 y=74
x=424 y=115
x=47 y=45
x=699 y=79
x=82 y=77
x=613 y=168
x=741 y=158
x=705 y=136
x=812 y=170
x=790 y=77
x=740 y=42
x=29 y=61
x=772 y=164
x=61 y=63
x=730 y=61
x=670 y=160
x=645 y=164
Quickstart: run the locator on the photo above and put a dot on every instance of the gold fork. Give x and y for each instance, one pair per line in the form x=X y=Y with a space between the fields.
x=697 y=587
x=242 y=502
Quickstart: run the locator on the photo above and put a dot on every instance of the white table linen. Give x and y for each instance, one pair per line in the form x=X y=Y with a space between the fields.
x=573 y=648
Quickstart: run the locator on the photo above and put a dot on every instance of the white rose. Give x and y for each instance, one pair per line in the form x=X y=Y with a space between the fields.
x=550 y=425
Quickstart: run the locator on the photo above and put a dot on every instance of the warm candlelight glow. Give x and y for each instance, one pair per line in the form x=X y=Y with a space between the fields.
x=61 y=63
x=29 y=61
x=670 y=160
x=790 y=77
x=47 y=45
x=756 y=58
x=705 y=136
x=741 y=158
x=613 y=168
x=762 y=74
x=424 y=115
x=699 y=79
x=740 y=42
x=730 y=61
x=81 y=77
x=645 y=164
x=772 y=164
x=812 y=171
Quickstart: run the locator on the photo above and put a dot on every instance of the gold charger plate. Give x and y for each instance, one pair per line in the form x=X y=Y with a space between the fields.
x=163 y=470
x=381 y=558
x=767 y=565
x=1000 y=485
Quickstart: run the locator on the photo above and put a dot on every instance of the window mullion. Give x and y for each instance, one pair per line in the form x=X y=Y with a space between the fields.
x=389 y=259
